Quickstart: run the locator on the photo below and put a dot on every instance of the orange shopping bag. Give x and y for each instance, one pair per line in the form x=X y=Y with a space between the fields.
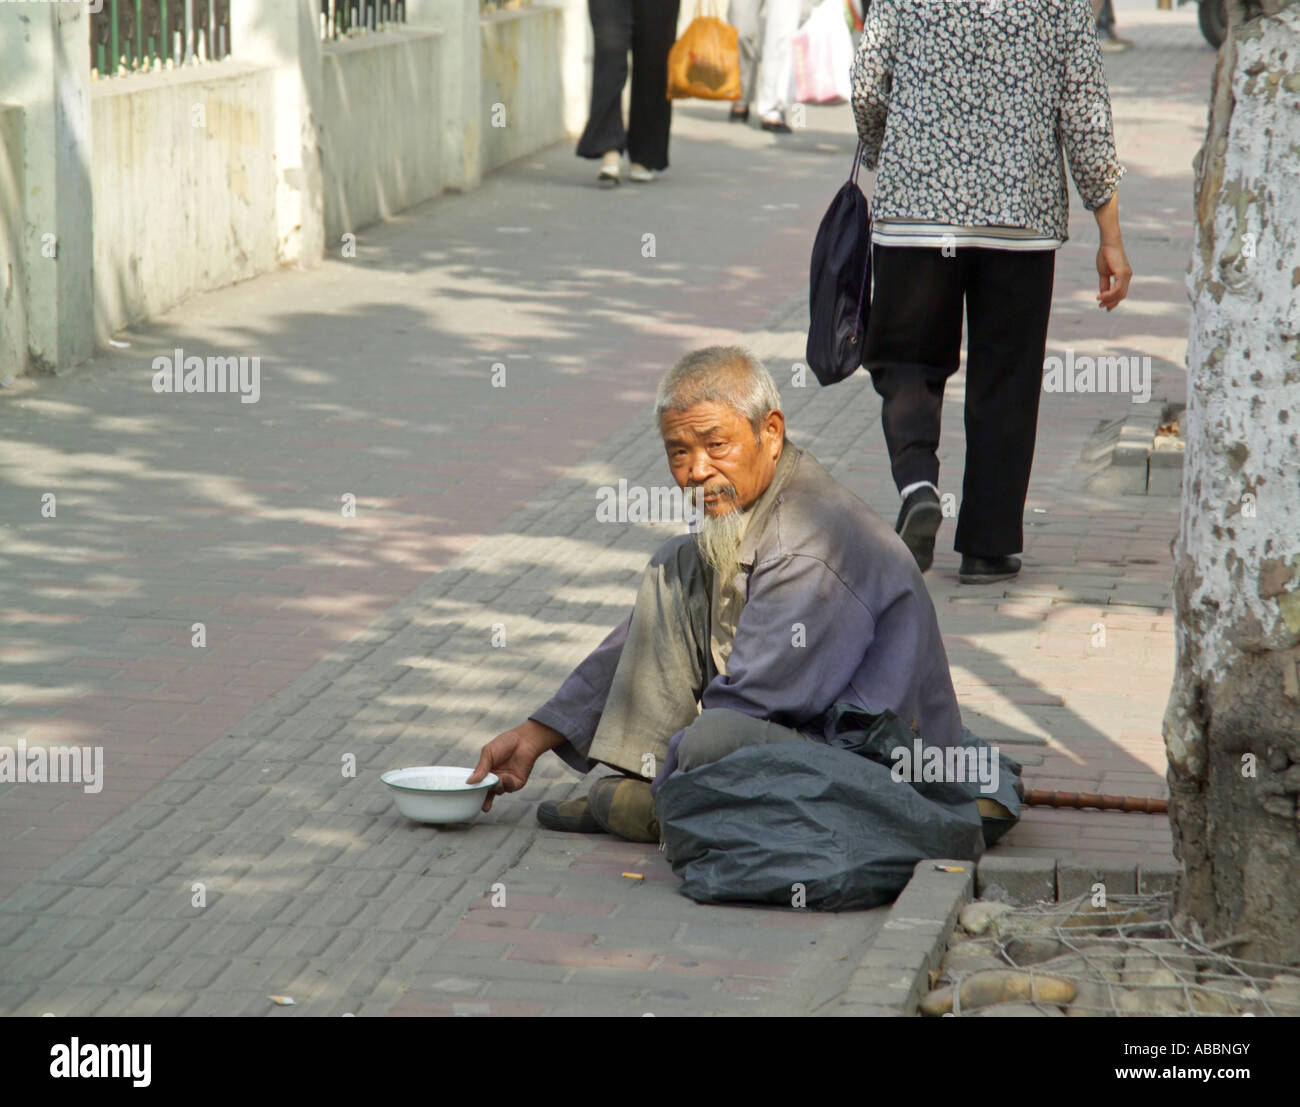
x=704 y=64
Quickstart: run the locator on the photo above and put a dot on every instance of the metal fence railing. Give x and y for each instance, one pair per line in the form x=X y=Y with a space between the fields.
x=347 y=18
x=136 y=36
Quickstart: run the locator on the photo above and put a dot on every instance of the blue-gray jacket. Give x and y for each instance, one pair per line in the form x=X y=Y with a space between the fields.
x=814 y=555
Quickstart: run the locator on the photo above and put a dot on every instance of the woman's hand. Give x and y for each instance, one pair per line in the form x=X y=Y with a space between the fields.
x=1114 y=274
x=1113 y=269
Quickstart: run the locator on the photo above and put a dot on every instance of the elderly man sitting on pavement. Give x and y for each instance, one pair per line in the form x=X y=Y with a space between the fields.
x=791 y=596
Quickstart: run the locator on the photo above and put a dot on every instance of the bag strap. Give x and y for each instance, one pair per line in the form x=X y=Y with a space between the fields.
x=866 y=280
x=866 y=266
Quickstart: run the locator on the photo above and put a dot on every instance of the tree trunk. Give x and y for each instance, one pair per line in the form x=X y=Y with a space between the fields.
x=1232 y=727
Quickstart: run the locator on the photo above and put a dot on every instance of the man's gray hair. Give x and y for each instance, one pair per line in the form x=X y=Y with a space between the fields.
x=727 y=375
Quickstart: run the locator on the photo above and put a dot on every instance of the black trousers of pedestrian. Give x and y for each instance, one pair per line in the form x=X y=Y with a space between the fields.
x=648 y=28
x=914 y=345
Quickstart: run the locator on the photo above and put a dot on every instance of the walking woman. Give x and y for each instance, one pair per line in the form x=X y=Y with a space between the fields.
x=648 y=28
x=965 y=110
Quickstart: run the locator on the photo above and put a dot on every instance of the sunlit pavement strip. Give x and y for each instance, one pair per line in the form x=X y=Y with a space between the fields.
x=313 y=887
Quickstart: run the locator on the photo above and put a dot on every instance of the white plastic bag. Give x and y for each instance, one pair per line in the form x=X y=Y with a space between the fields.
x=823 y=56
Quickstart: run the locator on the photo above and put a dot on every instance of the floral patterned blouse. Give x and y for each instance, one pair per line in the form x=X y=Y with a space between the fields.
x=965 y=108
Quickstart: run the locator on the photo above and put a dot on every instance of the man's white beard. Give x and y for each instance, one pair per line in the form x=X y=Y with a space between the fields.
x=717 y=537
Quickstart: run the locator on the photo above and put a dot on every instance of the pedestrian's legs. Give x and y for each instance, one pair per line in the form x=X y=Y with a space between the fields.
x=665 y=664
x=913 y=345
x=1008 y=302
x=718 y=732
x=744 y=15
x=611 y=26
x=780 y=22
x=651 y=113
x=1105 y=19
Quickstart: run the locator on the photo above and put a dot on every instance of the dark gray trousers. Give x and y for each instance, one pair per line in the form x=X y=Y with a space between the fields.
x=647 y=28
x=913 y=346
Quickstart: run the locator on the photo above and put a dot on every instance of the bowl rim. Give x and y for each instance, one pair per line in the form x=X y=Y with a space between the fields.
x=487 y=782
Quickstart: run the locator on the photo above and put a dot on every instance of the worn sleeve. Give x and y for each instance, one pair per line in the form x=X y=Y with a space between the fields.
x=576 y=708
x=801 y=637
x=1084 y=119
x=872 y=74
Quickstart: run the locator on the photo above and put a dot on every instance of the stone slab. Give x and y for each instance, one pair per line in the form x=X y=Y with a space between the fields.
x=1018 y=880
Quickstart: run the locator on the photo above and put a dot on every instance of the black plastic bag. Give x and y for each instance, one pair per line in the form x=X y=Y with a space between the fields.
x=802 y=823
x=839 y=286
x=878 y=736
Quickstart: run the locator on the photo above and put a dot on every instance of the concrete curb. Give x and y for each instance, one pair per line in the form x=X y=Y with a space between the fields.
x=895 y=970
x=1127 y=458
x=1026 y=880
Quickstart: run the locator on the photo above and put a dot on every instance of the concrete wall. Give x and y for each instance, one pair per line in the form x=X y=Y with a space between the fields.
x=45 y=71
x=521 y=70
x=381 y=147
x=148 y=189
x=284 y=37
x=184 y=187
x=456 y=111
x=13 y=286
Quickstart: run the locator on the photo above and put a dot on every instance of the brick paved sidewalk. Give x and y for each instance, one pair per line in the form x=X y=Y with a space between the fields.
x=372 y=636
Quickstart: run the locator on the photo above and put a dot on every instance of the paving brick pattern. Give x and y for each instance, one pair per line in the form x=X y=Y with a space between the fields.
x=369 y=641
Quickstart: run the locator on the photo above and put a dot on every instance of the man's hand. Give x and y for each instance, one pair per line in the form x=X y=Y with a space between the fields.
x=1114 y=274
x=511 y=755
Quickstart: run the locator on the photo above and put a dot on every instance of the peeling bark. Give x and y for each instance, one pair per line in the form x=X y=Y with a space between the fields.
x=1232 y=726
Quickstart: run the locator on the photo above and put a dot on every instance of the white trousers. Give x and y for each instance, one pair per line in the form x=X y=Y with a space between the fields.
x=766 y=30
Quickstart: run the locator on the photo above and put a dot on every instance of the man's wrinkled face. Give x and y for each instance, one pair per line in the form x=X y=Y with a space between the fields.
x=713 y=448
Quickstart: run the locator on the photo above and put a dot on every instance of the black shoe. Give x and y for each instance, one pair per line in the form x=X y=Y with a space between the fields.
x=572 y=815
x=738 y=116
x=918 y=523
x=985 y=570
x=777 y=127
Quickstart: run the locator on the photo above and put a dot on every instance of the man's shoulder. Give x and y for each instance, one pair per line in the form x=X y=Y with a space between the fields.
x=820 y=517
x=827 y=500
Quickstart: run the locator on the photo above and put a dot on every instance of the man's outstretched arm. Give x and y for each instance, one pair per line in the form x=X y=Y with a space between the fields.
x=512 y=755
x=574 y=711
x=566 y=723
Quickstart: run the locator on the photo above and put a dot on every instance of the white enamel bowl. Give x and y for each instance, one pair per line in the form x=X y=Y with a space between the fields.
x=437 y=793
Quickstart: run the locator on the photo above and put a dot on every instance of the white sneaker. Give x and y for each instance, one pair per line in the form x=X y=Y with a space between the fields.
x=640 y=173
x=611 y=171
